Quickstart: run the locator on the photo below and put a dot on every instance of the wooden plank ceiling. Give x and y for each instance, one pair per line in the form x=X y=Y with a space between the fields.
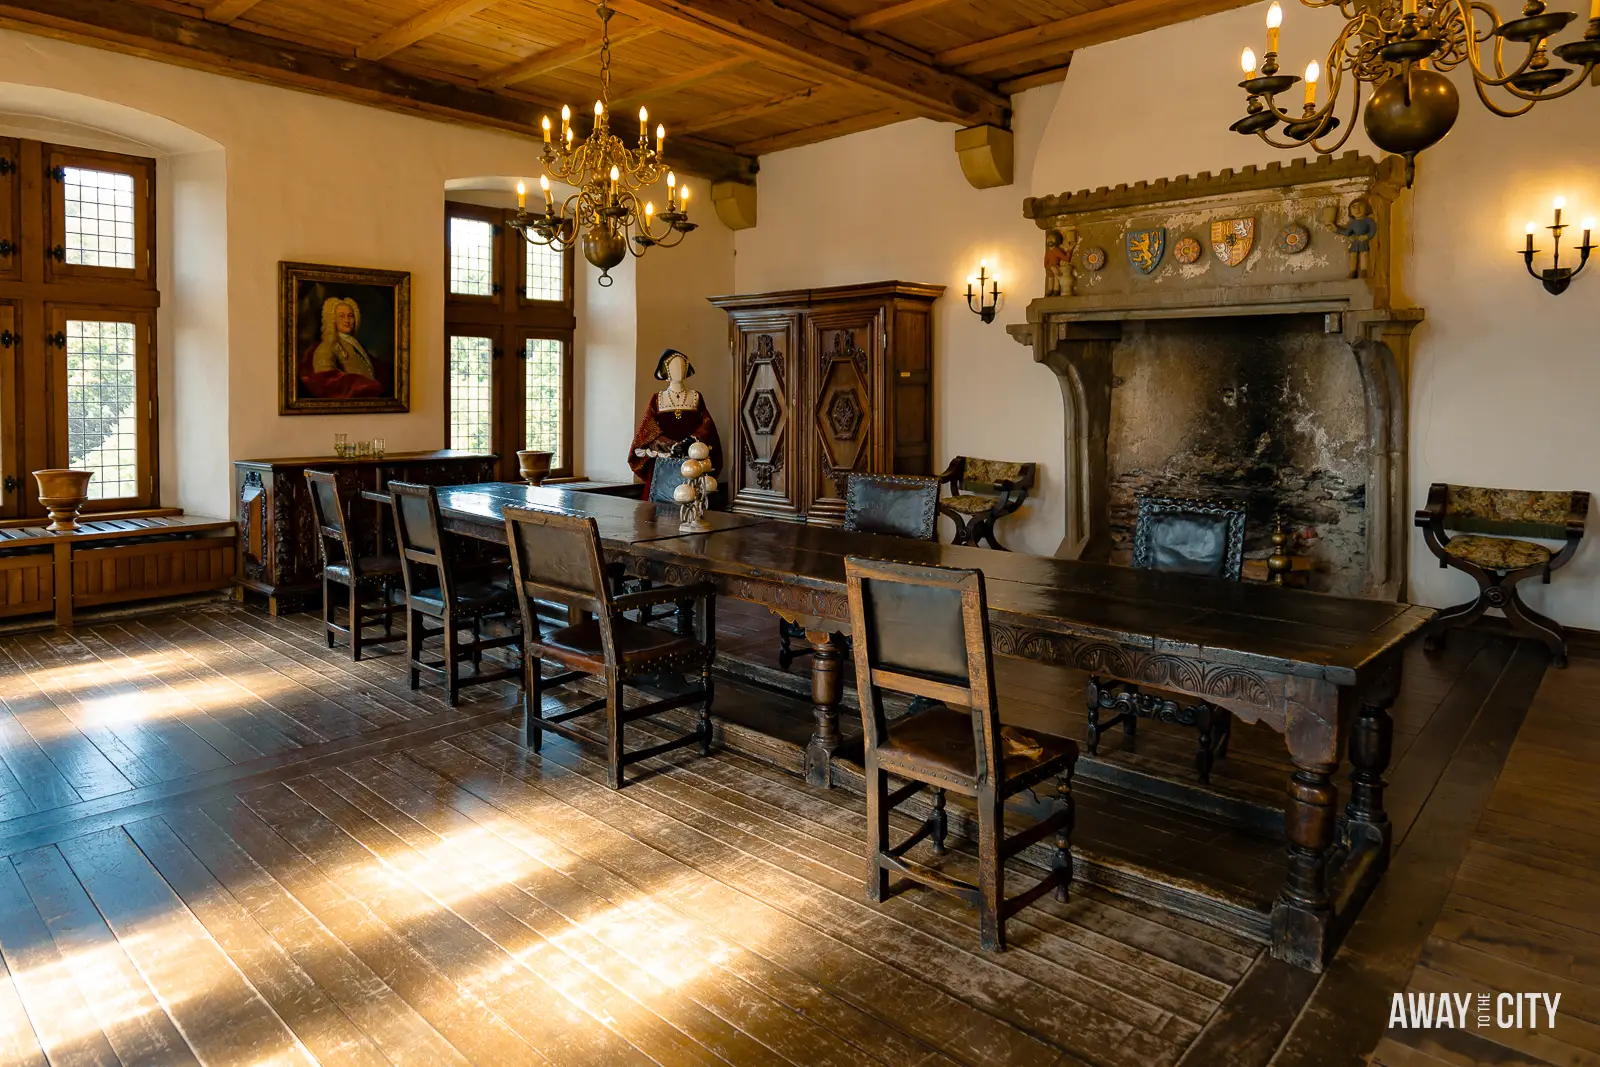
x=732 y=79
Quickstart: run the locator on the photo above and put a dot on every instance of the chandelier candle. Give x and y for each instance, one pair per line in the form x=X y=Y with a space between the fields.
x=605 y=213
x=1406 y=52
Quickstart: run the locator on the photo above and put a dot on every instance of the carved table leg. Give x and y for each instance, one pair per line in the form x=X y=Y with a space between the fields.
x=1371 y=743
x=827 y=686
x=1301 y=916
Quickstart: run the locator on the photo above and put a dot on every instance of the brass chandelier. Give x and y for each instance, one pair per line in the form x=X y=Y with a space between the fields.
x=1405 y=48
x=605 y=211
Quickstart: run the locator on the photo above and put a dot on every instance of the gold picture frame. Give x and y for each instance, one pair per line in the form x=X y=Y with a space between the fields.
x=344 y=340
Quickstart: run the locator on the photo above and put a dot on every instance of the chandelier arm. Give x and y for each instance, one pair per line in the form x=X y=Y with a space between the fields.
x=1349 y=128
x=1500 y=78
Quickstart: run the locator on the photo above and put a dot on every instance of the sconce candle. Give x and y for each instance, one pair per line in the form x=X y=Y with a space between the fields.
x=1556 y=278
x=987 y=302
x=1274 y=20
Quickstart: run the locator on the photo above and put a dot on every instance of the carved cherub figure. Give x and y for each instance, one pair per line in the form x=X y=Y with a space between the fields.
x=1358 y=233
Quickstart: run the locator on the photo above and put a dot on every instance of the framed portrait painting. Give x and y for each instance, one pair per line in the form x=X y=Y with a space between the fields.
x=344 y=340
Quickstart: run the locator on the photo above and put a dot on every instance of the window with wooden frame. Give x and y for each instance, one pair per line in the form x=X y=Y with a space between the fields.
x=508 y=340
x=78 y=307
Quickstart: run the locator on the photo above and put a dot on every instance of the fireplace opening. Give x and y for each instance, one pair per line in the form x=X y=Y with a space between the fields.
x=1266 y=409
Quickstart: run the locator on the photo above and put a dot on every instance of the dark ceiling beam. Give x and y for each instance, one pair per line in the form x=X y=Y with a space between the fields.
x=154 y=33
x=877 y=20
x=757 y=109
x=424 y=24
x=824 y=45
x=1054 y=40
x=229 y=10
x=828 y=130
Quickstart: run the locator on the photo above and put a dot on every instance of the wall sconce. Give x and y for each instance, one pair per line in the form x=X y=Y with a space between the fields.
x=987 y=302
x=1556 y=278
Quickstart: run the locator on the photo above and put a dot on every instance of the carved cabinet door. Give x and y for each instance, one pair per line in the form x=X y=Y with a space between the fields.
x=767 y=455
x=844 y=352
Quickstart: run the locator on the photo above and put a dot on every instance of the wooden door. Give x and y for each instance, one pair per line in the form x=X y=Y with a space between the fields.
x=844 y=355
x=768 y=451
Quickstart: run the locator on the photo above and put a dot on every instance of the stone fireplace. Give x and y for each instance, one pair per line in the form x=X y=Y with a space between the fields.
x=1251 y=367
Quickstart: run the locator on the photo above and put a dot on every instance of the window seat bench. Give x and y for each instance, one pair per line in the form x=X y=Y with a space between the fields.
x=113 y=561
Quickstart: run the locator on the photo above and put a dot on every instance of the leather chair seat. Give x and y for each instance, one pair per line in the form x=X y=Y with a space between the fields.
x=1497 y=553
x=654 y=649
x=970 y=503
x=939 y=739
x=369 y=566
x=474 y=596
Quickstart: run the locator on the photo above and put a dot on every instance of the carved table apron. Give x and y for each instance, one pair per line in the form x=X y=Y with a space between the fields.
x=1317 y=669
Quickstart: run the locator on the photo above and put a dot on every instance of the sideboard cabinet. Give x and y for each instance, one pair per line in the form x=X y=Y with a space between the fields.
x=829 y=382
x=278 y=555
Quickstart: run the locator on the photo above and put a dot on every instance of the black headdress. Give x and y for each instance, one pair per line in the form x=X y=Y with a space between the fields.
x=661 y=364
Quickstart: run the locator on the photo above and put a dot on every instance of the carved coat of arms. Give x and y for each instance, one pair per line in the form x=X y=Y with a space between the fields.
x=1145 y=248
x=1232 y=239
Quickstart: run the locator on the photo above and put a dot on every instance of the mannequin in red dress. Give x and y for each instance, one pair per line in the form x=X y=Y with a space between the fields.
x=674 y=418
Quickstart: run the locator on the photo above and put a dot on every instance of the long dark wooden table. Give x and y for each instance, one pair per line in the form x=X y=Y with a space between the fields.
x=1322 y=671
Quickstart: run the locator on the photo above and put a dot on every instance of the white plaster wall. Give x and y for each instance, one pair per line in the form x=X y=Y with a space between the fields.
x=1504 y=376
x=314 y=179
x=893 y=204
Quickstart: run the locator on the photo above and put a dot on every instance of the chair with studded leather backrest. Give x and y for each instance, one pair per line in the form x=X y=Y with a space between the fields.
x=1190 y=537
x=559 y=557
x=1489 y=544
x=900 y=505
x=361 y=576
x=438 y=589
x=924 y=631
x=1203 y=537
x=983 y=491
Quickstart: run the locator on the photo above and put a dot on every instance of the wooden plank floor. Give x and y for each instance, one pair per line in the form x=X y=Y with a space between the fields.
x=224 y=844
x=1523 y=913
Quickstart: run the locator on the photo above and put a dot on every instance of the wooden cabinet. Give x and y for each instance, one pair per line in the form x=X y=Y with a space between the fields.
x=277 y=539
x=829 y=382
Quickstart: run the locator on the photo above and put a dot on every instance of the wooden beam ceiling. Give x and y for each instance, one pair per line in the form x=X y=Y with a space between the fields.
x=156 y=33
x=755 y=110
x=838 y=128
x=1056 y=39
x=825 y=46
x=424 y=24
x=877 y=20
x=680 y=81
x=228 y=10
x=560 y=56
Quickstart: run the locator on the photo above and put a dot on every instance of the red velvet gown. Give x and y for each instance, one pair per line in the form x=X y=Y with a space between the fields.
x=662 y=430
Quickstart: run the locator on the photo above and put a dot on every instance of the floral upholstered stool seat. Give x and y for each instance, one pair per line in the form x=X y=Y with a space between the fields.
x=1479 y=531
x=983 y=491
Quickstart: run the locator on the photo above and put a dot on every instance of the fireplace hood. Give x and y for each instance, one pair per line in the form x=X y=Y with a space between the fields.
x=1131 y=269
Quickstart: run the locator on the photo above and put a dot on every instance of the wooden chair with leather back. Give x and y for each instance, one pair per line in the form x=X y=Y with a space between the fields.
x=441 y=589
x=924 y=631
x=360 y=575
x=559 y=558
x=1204 y=537
x=900 y=505
x=1489 y=526
x=982 y=492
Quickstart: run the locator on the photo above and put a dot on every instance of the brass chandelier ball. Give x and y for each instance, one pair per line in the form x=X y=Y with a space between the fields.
x=605 y=245
x=1412 y=111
